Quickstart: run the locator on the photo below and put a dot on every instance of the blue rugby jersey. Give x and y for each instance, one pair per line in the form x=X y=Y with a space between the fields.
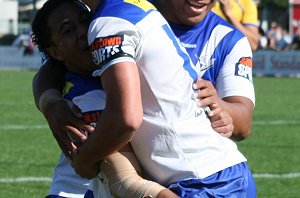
x=221 y=54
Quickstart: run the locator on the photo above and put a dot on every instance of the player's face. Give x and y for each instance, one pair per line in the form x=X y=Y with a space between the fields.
x=188 y=12
x=69 y=26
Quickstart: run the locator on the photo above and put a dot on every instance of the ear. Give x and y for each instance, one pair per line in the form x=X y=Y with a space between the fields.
x=54 y=53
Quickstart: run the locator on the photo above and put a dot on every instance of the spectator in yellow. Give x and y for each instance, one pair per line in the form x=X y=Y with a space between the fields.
x=243 y=15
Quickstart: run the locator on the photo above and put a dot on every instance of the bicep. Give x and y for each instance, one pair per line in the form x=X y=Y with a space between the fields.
x=122 y=85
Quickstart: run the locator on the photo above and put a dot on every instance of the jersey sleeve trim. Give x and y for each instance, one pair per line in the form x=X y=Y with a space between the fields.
x=101 y=70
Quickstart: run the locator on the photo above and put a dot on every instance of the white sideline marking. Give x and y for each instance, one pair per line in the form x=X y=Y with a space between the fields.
x=22 y=127
x=47 y=179
x=276 y=122
x=25 y=179
x=274 y=176
x=273 y=122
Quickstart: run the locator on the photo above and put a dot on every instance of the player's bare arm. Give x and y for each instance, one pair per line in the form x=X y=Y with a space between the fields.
x=47 y=88
x=119 y=120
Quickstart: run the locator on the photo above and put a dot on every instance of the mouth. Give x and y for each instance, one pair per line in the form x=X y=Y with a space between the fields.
x=196 y=3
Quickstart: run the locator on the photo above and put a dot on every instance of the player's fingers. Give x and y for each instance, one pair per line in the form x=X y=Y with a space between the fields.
x=225 y=131
x=87 y=128
x=79 y=123
x=214 y=112
x=222 y=121
x=223 y=124
x=75 y=134
x=199 y=84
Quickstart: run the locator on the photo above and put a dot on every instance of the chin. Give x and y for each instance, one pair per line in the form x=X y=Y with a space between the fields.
x=191 y=21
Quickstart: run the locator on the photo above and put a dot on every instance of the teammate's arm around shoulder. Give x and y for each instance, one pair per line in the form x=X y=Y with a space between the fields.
x=47 y=88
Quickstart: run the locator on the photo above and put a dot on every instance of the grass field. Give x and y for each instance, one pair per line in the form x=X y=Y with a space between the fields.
x=29 y=152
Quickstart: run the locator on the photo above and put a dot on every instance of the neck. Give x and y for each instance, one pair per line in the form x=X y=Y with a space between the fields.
x=164 y=8
x=92 y=4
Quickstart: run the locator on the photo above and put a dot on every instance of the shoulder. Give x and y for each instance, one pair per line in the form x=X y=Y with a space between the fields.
x=130 y=10
x=221 y=26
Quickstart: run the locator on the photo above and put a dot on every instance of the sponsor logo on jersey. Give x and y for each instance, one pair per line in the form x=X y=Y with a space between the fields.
x=91 y=117
x=188 y=45
x=104 y=48
x=243 y=68
x=206 y=63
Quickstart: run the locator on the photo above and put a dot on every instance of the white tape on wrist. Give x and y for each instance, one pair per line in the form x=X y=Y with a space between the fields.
x=48 y=97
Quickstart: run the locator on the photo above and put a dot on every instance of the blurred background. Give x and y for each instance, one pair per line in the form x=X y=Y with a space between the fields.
x=279 y=27
x=29 y=152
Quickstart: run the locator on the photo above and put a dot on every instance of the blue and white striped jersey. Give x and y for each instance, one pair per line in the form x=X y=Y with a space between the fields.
x=175 y=141
x=221 y=54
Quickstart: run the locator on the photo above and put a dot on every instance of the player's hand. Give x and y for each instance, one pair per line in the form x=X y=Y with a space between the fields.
x=62 y=121
x=166 y=193
x=221 y=121
x=84 y=169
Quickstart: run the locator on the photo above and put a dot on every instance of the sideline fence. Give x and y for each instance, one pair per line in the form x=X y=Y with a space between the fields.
x=266 y=63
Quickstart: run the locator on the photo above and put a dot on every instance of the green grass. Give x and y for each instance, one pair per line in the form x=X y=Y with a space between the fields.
x=31 y=151
x=273 y=146
x=28 y=151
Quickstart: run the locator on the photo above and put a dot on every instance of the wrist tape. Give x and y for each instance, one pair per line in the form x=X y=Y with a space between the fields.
x=123 y=179
x=48 y=97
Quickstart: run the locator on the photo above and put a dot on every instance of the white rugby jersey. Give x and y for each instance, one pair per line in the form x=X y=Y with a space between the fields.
x=221 y=54
x=175 y=141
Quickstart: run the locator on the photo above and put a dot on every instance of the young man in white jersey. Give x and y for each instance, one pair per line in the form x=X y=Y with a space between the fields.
x=69 y=26
x=65 y=182
x=167 y=131
x=220 y=53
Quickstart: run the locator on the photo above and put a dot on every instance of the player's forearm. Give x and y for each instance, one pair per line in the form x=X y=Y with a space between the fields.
x=121 y=117
x=111 y=134
x=240 y=109
x=49 y=76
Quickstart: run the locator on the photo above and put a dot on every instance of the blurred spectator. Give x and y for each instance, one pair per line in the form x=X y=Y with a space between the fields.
x=28 y=48
x=279 y=39
x=24 y=41
x=243 y=15
x=295 y=45
x=272 y=31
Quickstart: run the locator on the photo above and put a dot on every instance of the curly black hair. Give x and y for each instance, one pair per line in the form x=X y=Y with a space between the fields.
x=41 y=32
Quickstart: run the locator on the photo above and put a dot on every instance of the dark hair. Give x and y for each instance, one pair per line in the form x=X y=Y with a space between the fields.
x=41 y=32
